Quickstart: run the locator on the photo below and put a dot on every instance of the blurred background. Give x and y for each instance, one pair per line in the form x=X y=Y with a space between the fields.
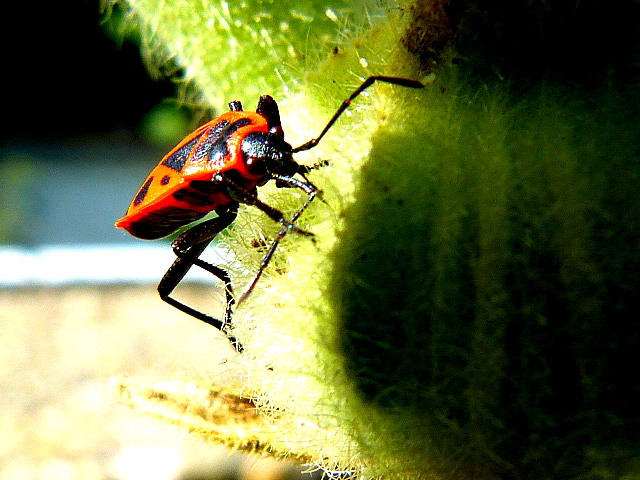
x=84 y=124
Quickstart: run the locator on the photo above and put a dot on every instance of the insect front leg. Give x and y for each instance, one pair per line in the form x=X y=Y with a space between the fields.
x=309 y=189
x=241 y=195
x=188 y=248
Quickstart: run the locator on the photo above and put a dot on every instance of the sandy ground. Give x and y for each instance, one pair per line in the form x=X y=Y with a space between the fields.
x=60 y=419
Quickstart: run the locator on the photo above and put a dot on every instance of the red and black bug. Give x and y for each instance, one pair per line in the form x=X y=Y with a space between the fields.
x=215 y=169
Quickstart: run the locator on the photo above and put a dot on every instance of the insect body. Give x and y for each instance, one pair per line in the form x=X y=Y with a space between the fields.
x=215 y=169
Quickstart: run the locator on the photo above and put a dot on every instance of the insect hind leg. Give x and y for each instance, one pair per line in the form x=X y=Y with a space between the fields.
x=188 y=247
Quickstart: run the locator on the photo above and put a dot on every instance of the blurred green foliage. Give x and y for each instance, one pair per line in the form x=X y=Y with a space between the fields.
x=16 y=178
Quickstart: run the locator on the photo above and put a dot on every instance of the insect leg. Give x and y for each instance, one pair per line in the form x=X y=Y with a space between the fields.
x=312 y=191
x=188 y=248
x=250 y=198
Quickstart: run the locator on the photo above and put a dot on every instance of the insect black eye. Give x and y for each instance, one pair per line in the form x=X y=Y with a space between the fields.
x=265 y=152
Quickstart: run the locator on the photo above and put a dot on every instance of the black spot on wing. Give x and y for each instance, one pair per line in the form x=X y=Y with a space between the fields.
x=165 y=180
x=215 y=144
x=216 y=148
x=178 y=158
x=237 y=124
x=142 y=193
